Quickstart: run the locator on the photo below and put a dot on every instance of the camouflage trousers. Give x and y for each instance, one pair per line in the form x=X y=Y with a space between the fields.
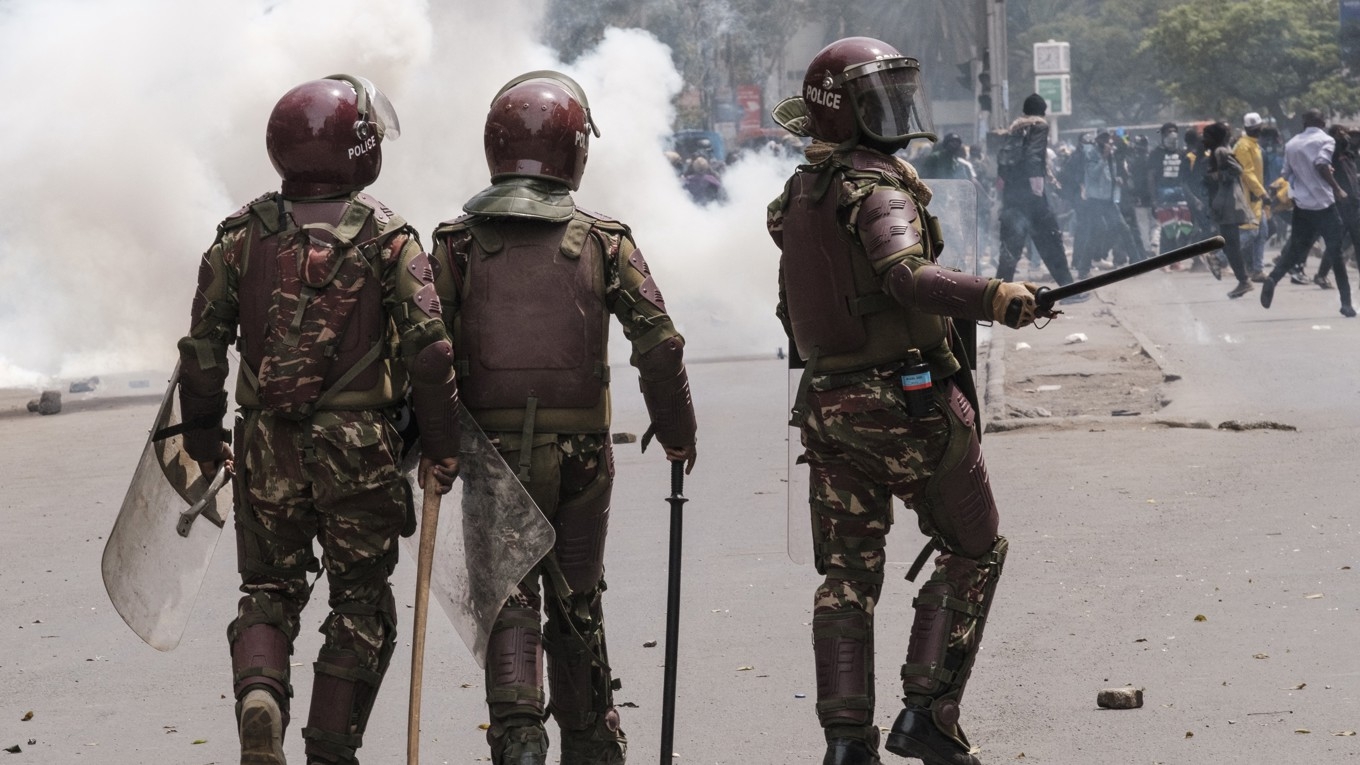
x=863 y=449
x=571 y=479
x=334 y=480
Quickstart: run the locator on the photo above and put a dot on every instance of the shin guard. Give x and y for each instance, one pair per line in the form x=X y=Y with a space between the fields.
x=842 y=644
x=342 y=697
x=514 y=674
x=951 y=611
x=259 y=659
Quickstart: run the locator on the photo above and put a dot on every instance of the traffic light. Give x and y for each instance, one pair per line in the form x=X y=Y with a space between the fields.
x=965 y=79
x=984 y=92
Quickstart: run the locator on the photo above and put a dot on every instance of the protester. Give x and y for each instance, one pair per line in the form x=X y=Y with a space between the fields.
x=1226 y=199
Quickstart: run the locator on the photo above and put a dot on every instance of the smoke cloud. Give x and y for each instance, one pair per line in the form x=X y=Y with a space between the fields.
x=141 y=125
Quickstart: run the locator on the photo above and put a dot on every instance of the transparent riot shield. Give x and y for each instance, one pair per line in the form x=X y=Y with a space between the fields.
x=167 y=529
x=955 y=204
x=499 y=536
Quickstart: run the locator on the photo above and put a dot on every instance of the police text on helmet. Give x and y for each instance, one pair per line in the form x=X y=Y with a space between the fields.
x=363 y=148
x=819 y=96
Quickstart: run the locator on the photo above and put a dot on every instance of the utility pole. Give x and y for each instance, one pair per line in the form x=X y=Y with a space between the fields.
x=997 y=83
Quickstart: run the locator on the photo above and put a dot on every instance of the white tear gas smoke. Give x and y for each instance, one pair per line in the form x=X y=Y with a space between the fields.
x=142 y=126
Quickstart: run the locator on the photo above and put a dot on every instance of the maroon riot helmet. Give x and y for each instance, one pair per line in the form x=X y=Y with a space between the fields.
x=864 y=88
x=539 y=126
x=325 y=136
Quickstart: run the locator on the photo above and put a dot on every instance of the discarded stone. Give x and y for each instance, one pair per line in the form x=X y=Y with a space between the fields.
x=800 y=695
x=624 y=438
x=84 y=386
x=13 y=749
x=649 y=644
x=48 y=403
x=27 y=716
x=1048 y=388
x=1120 y=698
x=1022 y=346
x=1075 y=337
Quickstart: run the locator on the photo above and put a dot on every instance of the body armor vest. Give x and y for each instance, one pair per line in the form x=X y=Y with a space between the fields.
x=531 y=333
x=836 y=303
x=313 y=330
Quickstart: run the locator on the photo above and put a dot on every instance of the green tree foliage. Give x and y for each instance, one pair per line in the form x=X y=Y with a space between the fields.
x=1114 y=82
x=1277 y=56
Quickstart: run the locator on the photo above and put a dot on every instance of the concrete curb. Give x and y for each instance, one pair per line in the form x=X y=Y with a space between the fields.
x=1148 y=348
x=994 y=388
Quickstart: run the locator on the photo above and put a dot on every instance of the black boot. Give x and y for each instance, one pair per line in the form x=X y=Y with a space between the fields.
x=849 y=751
x=914 y=734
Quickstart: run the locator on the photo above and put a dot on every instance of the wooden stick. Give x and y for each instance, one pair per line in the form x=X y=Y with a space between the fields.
x=429 y=524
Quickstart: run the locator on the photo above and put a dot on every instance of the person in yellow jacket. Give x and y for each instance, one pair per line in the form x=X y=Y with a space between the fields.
x=1254 y=233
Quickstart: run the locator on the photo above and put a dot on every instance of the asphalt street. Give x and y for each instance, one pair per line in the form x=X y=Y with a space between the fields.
x=1213 y=568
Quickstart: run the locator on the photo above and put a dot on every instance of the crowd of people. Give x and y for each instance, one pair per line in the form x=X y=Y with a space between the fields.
x=1116 y=198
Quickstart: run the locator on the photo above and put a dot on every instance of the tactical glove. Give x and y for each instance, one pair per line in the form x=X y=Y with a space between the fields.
x=1013 y=304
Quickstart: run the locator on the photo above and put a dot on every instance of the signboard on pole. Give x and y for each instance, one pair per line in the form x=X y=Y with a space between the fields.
x=1056 y=89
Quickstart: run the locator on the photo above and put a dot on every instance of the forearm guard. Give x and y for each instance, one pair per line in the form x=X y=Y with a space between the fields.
x=434 y=396
x=932 y=289
x=672 y=411
x=203 y=414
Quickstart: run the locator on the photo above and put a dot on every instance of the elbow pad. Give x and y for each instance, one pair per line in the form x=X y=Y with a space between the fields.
x=663 y=361
x=433 y=365
x=932 y=289
x=672 y=411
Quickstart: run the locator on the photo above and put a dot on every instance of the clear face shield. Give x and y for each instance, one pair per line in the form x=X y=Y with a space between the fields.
x=890 y=103
x=375 y=110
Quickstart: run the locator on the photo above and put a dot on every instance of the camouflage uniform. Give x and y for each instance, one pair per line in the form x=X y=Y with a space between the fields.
x=544 y=399
x=328 y=296
x=856 y=221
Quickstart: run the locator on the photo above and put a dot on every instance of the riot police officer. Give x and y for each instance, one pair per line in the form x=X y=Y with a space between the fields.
x=533 y=282
x=317 y=285
x=885 y=404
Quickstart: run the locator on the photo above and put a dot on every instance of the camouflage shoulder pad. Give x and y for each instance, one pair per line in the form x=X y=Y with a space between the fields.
x=461 y=223
x=875 y=162
x=242 y=216
x=603 y=222
x=387 y=220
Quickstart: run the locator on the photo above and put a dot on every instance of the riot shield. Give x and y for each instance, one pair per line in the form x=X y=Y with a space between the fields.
x=481 y=557
x=955 y=203
x=166 y=531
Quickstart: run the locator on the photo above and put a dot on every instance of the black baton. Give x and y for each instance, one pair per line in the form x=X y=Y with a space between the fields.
x=1045 y=297
x=677 y=501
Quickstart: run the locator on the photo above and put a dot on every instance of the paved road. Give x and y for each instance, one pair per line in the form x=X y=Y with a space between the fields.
x=1123 y=533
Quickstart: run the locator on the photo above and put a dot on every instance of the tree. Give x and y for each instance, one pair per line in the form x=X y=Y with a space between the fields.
x=1114 y=81
x=1276 y=56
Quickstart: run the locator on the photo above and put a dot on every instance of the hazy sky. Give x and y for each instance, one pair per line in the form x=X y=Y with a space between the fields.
x=140 y=125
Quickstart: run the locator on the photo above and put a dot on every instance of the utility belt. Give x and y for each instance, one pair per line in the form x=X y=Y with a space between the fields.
x=891 y=371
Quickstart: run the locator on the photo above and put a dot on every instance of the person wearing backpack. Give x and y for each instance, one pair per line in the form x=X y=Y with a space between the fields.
x=326 y=294
x=1022 y=173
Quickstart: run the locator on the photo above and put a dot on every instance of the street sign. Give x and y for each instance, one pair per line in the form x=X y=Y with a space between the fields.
x=1052 y=57
x=1056 y=89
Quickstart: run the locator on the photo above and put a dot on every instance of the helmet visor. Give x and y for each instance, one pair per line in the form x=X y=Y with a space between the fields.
x=380 y=110
x=890 y=103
